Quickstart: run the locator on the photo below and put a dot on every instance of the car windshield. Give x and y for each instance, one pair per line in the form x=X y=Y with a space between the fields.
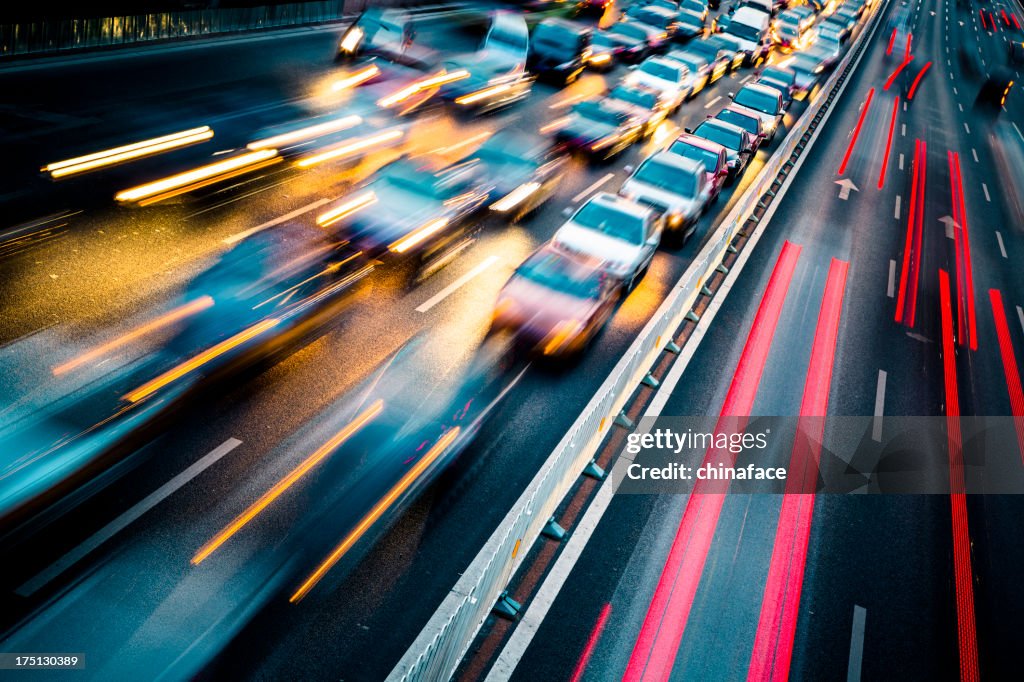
x=748 y=123
x=602 y=40
x=661 y=70
x=788 y=30
x=554 y=39
x=643 y=98
x=777 y=74
x=686 y=150
x=611 y=221
x=593 y=111
x=691 y=20
x=723 y=42
x=418 y=182
x=694 y=6
x=692 y=62
x=744 y=31
x=705 y=48
x=630 y=31
x=561 y=274
x=648 y=16
x=730 y=139
x=667 y=177
x=757 y=100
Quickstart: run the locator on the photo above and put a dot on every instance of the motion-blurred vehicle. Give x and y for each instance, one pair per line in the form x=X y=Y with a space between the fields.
x=710 y=154
x=622 y=234
x=828 y=52
x=691 y=25
x=559 y=50
x=764 y=6
x=411 y=210
x=379 y=81
x=697 y=6
x=780 y=78
x=523 y=169
x=675 y=187
x=382 y=29
x=745 y=119
x=597 y=7
x=845 y=17
x=604 y=52
x=650 y=106
x=829 y=31
x=807 y=70
x=748 y=28
x=556 y=302
x=718 y=59
x=598 y=130
x=635 y=41
x=763 y=102
x=840 y=27
x=788 y=32
x=739 y=144
x=700 y=69
x=660 y=19
x=668 y=77
x=730 y=47
x=996 y=88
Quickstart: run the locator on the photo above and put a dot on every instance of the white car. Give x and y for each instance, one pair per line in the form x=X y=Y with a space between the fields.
x=613 y=229
x=764 y=102
x=675 y=187
x=669 y=77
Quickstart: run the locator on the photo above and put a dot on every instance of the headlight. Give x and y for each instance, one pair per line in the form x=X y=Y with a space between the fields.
x=675 y=219
x=351 y=40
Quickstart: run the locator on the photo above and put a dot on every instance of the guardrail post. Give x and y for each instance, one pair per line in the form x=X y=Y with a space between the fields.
x=692 y=316
x=673 y=347
x=593 y=470
x=553 y=530
x=650 y=381
x=625 y=422
x=507 y=607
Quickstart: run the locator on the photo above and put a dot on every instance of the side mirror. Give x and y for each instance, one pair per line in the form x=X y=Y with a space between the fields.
x=628 y=168
x=687 y=131
x=730 y=95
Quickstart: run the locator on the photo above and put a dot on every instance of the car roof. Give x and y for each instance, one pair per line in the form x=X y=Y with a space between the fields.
x=698 y=141
x=565 y=24
x=682 y=163
x=756 y=87
x=742 y=111
x=620 y=203
x=717 y=122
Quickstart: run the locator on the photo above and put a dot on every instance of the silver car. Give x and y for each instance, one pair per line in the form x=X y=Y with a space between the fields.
x=675 y=187
x=764 y=102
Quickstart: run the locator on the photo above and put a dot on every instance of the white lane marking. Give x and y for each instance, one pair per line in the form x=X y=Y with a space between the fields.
x=592 y=188
x=984 y=188
x=961 y=106
x=903 y=130
x=856 y=644
x=479 y=137
x=126 y=519
x=541 y=603
x=485 y=264
x=1002 y=247
x=712 y=102
x=276 y=221
x=901 y=161
x=896 y=213
x=904 y=105
x=890 y=290
x=1019 y=134
x=967 y=128
x=876 y=425
x=955 y=91
x=746 y=78
x=974 y=153
x=1020 y=316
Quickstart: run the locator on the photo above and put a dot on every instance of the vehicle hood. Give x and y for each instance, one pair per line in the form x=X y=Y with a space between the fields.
x=618 y=253
x=586 y=130
x=659 y=199
x=653 y=82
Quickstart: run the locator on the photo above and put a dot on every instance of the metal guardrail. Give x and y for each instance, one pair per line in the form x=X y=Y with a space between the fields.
x=441 y=645
x=51 y=37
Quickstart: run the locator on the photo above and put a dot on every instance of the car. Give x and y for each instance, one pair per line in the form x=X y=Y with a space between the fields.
x=621 y=233
x=739 y=144
x=661 y=19
x=378 y=82
x=676 y=188
x=598 y=130
x=720 y=60
x=830 y=32
x=558 y=50
x=828 y=52
x=670 y=78
x=745 y=119
x=636 y=41
x=379 y=29
x=775 y=75
x=665 y=4
x=410 y=210
x=848 y=18
x=523 y=170
x=556 y=301
x=691 y=25
x=698 y=6
x=711 y=154
x=650 y=106
x=492 y=84
x=765 y=103
x=788 y=33
x=837 y=26
x=700 y=69
x=605 y=52
x=807 y=70
x=748 y=29
x=730 y=47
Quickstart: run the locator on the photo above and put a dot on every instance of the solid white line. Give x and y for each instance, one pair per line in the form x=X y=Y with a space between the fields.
x=1020 y=316
x=126 y=519
x=876 y=425
x=457 y=284
x=890 y=290
x=856 y=644
x=712 y=102
x=974 y=152
x=896 y=213
x=984 y=188
x=1002 y=247
x=276 y=221
x=594 y=187
x=901 y=161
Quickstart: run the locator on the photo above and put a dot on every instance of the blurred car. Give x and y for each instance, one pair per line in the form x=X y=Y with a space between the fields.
x=410 y=210
x=523 y=169
x=635 y=41
x=788 y=32
x=598 y=130
x=710 y=154
x=597 y=7
x=838 y=26
x=827 y=52
x=830 y=32
x=700 y=69
x=739 y=144
x=848 y=18
x=559 y=50
x=650 y=106
x=556 y=301
x=383 y=29
x=780 y=78
x=670 y=78
x=730 y=47
x=718 y=59
x=402 y=88
x=698 y=6
x=660 y=19
x=995 y=89
x=763 y=102
x=691 y=25
x=807 y=70
x=675 y=187
x=745 y=119
x=622 y=234
x=604 y=52
x=748 y=30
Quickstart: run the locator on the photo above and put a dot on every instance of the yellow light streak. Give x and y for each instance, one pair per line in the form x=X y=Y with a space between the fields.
x=375 y=513
x=127 y=152
x=413 y=88
x=175 y=373
x=474 y=97
x=349 y=148
x=167 y=318
x=346 y=209
x=356 y=78
x=417 y=236
x=184 y=181
x=307 y=133
x=265 y=500
x=603 y=58
x=515 y=197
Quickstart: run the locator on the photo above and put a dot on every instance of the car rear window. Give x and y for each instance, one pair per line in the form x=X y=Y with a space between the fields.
x=686 y=150
x=758 y=100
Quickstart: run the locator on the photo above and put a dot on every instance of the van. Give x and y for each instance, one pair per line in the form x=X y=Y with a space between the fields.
x=749 y=27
